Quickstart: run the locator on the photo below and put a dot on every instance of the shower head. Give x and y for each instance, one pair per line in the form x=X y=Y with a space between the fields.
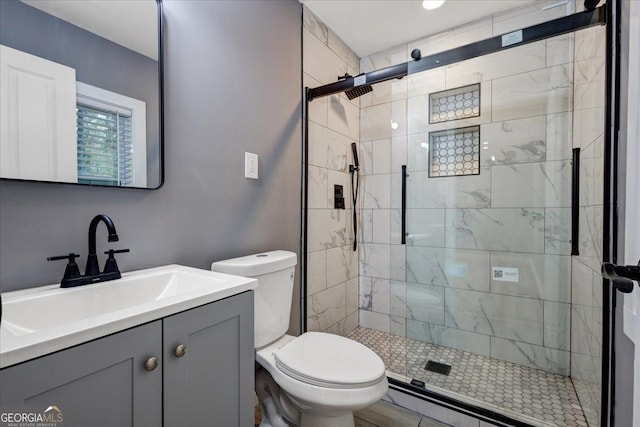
x=357 y=91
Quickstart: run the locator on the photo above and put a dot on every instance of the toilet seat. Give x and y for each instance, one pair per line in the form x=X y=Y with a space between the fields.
x=329 y=361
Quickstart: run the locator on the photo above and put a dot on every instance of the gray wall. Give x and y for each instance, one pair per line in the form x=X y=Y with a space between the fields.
x=97 y=61
x=232 y=84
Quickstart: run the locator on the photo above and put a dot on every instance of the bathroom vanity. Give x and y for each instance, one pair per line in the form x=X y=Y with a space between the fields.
x=193 y=367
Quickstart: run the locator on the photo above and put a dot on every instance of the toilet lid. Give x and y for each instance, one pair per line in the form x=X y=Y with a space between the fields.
x=331 y=361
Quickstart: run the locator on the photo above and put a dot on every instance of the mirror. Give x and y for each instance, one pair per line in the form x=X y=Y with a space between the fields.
x=81 y=92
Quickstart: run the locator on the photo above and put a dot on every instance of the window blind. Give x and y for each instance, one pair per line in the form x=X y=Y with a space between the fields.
x=105 y=146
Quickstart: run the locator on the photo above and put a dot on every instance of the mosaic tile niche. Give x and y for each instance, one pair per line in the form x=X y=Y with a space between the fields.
x=454 y=104
x=454 y=152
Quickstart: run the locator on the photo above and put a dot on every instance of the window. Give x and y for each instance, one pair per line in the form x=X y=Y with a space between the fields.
x=105 y=147
x=111 y=138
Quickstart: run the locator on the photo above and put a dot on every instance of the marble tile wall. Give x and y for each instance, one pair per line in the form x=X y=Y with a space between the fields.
x=587 y=288
x=440 y=286
x=332 y=266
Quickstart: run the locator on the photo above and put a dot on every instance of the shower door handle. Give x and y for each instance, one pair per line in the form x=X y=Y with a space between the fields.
x=621 y=276
x=575 y=202
x=403 y=213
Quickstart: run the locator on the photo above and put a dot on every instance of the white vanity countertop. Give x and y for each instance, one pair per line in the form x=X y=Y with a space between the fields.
x=39 y=321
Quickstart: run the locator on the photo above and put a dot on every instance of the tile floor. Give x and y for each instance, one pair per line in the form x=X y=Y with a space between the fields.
x=384 y=414
x=525 y=394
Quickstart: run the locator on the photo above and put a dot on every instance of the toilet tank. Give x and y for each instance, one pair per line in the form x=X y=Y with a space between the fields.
x=272 y=303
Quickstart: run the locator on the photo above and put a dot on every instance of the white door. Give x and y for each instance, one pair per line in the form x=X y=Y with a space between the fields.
x=631 y=305
x=37 y=118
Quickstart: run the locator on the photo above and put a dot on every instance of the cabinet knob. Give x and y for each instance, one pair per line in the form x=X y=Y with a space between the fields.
x=180 y=350
x=151 y=364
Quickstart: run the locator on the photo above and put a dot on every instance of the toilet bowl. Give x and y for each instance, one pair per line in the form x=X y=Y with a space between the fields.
x=326 y=376
x=314 y=380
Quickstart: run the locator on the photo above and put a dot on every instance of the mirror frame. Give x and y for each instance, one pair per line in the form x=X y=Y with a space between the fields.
x=160 y=94
x=160 y=120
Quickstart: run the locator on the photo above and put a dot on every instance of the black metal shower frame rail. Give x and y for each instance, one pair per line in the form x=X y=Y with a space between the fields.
x=610 y=215
x=534 y=33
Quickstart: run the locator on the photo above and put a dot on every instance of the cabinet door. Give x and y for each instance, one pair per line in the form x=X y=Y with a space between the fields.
x=212 y=383
x=100 y=383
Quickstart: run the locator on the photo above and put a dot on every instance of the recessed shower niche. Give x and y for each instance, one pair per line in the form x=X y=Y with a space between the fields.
x=454 y=152
x=453 y=104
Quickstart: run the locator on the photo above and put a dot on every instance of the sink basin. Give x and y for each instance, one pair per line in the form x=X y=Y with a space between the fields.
x=59 y=307
x=41 y=320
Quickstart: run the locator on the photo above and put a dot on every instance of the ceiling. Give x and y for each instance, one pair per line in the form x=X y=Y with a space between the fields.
x=369 y=26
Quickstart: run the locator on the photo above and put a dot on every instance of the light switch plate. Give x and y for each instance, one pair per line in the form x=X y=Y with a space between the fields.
x=250 y=165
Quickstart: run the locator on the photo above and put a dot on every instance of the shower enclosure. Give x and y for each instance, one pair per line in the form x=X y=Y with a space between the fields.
x=476 y=275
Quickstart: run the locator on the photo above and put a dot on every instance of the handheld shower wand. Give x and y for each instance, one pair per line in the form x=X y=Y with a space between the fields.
x=356 y=165
x=354 y=171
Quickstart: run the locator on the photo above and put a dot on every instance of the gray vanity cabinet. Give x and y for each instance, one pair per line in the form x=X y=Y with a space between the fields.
x=99 y=383
x=207 y=382
x=211 y=383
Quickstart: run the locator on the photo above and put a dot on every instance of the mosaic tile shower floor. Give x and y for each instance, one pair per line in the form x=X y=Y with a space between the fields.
x=526 y=394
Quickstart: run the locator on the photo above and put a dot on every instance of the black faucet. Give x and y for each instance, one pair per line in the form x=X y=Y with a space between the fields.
x=92 y=272
x=92 y=259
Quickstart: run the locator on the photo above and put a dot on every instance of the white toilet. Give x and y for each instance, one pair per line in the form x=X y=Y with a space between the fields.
x=314 y=380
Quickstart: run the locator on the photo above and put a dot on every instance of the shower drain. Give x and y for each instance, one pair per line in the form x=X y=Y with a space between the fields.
x=437 y=367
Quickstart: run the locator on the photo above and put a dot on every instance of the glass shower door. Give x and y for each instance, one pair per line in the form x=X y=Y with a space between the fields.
x=487 y=289
x=470 y=281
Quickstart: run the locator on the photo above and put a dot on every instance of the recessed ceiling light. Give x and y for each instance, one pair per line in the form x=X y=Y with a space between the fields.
x=432 y=4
